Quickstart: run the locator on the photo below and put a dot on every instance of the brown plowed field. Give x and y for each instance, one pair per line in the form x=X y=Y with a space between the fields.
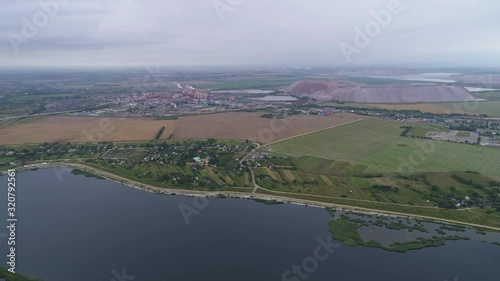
x=84 y=129
x=245 y=125
x=223 y=126
x=424 y=107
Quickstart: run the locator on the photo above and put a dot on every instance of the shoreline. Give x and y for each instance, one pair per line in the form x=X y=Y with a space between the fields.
x=240 y=195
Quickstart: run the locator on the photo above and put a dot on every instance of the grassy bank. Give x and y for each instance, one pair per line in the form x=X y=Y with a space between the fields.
x=268 y=202
x=85 y=173
x=8 y=276
x=475 y=216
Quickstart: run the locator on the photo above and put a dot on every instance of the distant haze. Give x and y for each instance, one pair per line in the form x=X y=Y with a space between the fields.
x=443 y=33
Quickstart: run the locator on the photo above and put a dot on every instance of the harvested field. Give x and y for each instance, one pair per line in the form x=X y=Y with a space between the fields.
x=286 y=175
x=385 y=181
x=84 y=129
x=245 y=125
x=424 y=107
x=326 y=180
x=273 y=175
x=491 y=108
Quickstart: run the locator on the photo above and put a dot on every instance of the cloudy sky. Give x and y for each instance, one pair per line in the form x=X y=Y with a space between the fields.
x=250 y=32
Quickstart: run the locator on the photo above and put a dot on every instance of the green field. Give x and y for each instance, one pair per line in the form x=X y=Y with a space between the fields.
x=4 y=274
x=475 y=215
x=379 y=146
x=167 y=118
x=324 y=166
x=490 y=108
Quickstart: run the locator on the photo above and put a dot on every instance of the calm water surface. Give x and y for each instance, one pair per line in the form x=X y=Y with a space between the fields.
x=81 y=229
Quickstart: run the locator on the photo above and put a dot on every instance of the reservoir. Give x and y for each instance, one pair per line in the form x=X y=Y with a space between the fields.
x=72 y=227
x=275 y=98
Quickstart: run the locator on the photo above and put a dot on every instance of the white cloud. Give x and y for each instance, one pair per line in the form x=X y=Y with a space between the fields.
x=289 y=32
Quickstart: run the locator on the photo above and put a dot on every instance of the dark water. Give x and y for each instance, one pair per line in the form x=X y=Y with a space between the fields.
x=81 y=229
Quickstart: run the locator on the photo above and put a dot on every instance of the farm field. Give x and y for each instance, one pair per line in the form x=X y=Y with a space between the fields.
x=424 y=107
x=249 y=125
x=83 y=129
x=428 y=190
x=490 y=108
x=316 y=165
x=423 y=131
x=473 y=216
x=379 y=146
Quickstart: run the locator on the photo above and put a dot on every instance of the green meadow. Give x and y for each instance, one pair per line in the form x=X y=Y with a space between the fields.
x=379 y=146
x=490 y=108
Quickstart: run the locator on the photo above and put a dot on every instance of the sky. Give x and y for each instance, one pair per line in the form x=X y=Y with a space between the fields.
x=434 y=33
